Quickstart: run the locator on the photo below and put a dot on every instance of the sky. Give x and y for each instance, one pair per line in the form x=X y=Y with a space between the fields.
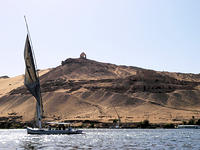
x=162 y=35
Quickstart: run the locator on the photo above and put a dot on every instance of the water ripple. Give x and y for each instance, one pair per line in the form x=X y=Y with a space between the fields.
x=100 y=139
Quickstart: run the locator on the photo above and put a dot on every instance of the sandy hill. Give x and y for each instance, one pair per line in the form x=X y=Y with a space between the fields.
x=83 y=89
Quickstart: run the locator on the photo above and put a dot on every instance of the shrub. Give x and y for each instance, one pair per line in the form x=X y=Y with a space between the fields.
x=198 y=122
x=170 y=125
x=191 y=122
x=145 y=124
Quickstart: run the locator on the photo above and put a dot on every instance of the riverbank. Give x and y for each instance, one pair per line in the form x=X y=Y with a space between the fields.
x=13 y=122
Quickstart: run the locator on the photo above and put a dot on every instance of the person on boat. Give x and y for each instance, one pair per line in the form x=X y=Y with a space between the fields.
x=63 y=127
x=70 y=128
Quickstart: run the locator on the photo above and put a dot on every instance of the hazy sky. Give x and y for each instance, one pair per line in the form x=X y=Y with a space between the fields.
x=163 y=35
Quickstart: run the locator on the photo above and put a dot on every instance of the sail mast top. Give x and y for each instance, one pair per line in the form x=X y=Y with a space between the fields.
x=29 y=36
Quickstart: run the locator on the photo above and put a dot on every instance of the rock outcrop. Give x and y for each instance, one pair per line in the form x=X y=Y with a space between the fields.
x=4 y=77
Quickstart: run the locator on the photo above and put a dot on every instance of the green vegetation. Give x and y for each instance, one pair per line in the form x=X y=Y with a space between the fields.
x=115 y=121
x=169 y=126
x=198 y=122
x=192 y=121
x=144 y=124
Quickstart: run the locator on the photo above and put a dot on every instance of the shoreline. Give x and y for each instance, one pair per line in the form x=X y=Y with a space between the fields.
x=13 y=122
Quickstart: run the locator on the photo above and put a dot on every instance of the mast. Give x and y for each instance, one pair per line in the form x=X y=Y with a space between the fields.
x=31 y=80
x=117 y=116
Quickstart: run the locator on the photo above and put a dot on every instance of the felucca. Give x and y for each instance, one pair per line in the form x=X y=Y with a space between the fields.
x=32 y=83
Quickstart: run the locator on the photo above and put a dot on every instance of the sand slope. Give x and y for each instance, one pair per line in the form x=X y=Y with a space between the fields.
x=89 y=90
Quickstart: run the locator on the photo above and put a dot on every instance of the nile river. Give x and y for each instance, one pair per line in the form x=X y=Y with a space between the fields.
x=139 y=139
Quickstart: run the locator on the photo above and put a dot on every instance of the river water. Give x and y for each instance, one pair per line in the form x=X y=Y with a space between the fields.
x=139 y=139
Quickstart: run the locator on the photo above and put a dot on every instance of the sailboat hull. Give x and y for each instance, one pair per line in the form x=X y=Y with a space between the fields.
x=46 y=131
